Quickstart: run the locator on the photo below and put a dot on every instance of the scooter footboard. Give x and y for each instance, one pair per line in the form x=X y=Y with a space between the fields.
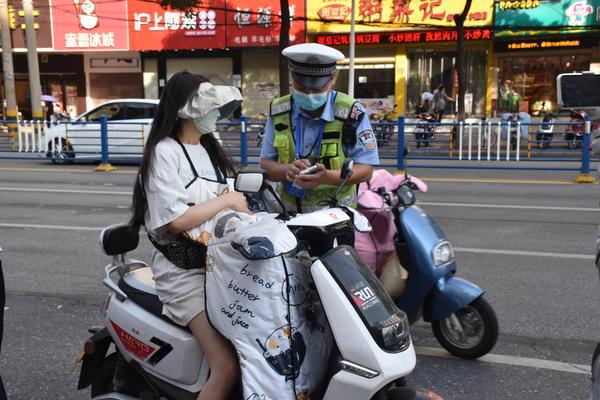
x=448 y=296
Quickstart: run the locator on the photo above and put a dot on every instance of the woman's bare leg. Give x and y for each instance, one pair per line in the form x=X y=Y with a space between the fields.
x=221 y=358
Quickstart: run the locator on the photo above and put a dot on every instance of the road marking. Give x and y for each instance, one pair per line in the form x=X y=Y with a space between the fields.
x=494 y=180
x=464 y=205
x=17 y=189
x=53 y=170
x=512 y=360
x=59 y=227
x=457 y=249
x=511 y=206
x=523 y=253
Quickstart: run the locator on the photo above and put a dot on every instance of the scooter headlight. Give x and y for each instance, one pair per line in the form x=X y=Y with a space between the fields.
x=396 y=335
x=443 y=253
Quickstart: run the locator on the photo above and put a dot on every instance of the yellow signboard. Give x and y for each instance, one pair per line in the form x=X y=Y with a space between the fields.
x=381 y=15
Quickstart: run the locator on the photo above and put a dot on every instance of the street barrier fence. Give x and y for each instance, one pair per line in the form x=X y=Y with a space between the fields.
x=444 y=144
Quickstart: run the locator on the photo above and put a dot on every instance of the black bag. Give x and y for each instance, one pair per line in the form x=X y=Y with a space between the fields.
x=183 y=252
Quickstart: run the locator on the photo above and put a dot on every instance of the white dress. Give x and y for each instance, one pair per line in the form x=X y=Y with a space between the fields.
x=181 y=291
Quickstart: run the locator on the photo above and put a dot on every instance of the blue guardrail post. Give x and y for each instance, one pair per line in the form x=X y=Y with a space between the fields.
x=104 y=166
x=585 y=176
x=244 y=141
x=400 y=145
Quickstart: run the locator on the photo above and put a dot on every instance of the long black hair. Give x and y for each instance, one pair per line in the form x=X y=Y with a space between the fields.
x=179 y=89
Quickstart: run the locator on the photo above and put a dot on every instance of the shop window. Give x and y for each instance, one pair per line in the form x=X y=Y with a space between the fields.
x=374 y=85
x=529 y=83
x=427 y=69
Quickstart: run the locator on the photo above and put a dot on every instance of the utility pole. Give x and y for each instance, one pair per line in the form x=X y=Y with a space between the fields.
x=32 y=59
x=352 y=46
x=7 y=63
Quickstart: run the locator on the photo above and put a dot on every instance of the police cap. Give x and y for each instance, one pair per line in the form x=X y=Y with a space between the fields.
x=312 y=65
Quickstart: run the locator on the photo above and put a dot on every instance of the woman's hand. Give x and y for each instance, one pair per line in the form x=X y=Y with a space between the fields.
x=236 y=201
x=294 y=168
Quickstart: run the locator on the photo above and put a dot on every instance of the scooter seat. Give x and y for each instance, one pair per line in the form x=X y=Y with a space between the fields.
x=139 y=287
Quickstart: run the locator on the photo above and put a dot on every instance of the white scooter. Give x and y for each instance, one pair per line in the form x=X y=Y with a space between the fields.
x=156 y=359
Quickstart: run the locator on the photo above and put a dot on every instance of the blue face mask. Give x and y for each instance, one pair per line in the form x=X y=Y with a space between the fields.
x=309 y=102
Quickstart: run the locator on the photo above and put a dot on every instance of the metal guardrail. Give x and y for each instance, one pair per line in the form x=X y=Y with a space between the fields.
x=496 y=141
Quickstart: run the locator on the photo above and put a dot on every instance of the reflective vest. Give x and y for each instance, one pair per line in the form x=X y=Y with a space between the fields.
x=331 y=152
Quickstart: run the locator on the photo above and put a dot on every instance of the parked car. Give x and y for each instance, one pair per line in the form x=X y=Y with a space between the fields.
x=129 y=122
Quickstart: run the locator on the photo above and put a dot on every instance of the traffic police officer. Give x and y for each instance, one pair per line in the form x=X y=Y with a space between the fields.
x=316 y=125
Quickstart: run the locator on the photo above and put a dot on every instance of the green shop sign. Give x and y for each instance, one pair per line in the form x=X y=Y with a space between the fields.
x=513 y=18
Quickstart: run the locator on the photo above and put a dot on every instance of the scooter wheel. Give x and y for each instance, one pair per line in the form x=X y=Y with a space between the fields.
x=478 y=331
x=103 y=381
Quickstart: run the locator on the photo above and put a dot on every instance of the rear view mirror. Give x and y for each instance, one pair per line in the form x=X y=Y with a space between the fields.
x=360 y=222
x=406 y=196
x=249 y=182
x=347 y=170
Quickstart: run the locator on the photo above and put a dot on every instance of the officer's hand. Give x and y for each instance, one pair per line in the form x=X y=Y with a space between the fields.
x=312 y=180
x=295 y=167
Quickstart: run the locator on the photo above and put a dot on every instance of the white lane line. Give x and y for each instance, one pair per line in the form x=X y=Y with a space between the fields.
x=56 y=227
x=464 y=205
x=523 y=253
x=17 y=189
x=457 y=249
x=513 y=360
x=511 y=206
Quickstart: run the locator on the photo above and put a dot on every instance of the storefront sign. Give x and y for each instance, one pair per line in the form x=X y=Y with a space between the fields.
x=535 y=14
x=546 y=44
x=404 y=37
x=83 y=25
x=257 y=23
x=380 y=15
x=155 y=28
x=41 y=18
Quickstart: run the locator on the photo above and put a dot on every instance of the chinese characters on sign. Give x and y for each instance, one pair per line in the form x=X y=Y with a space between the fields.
x=156 y=28
x=257 y=23
x=378 y=15
x=404 y=37
x=193 y=23
x=89 y=25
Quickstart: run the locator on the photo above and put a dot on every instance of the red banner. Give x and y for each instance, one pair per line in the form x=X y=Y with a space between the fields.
x=257 y=22
x=85 y=25
x=152 y=27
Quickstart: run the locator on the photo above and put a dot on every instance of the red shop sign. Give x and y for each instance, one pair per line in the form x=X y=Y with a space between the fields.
x=405 y=37
x=88 y=25
x=257 y=22
x=155 y=28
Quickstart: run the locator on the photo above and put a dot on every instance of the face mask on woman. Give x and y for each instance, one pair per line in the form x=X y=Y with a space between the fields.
x=309 y=102
x=208 y=122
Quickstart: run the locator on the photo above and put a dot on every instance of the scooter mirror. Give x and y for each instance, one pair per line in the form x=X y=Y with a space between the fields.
x=360 y=222
x=249 y=182
x=347 y=169
x=406 y=196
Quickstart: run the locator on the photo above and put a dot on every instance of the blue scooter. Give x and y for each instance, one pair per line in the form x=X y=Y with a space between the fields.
x=462 y=320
